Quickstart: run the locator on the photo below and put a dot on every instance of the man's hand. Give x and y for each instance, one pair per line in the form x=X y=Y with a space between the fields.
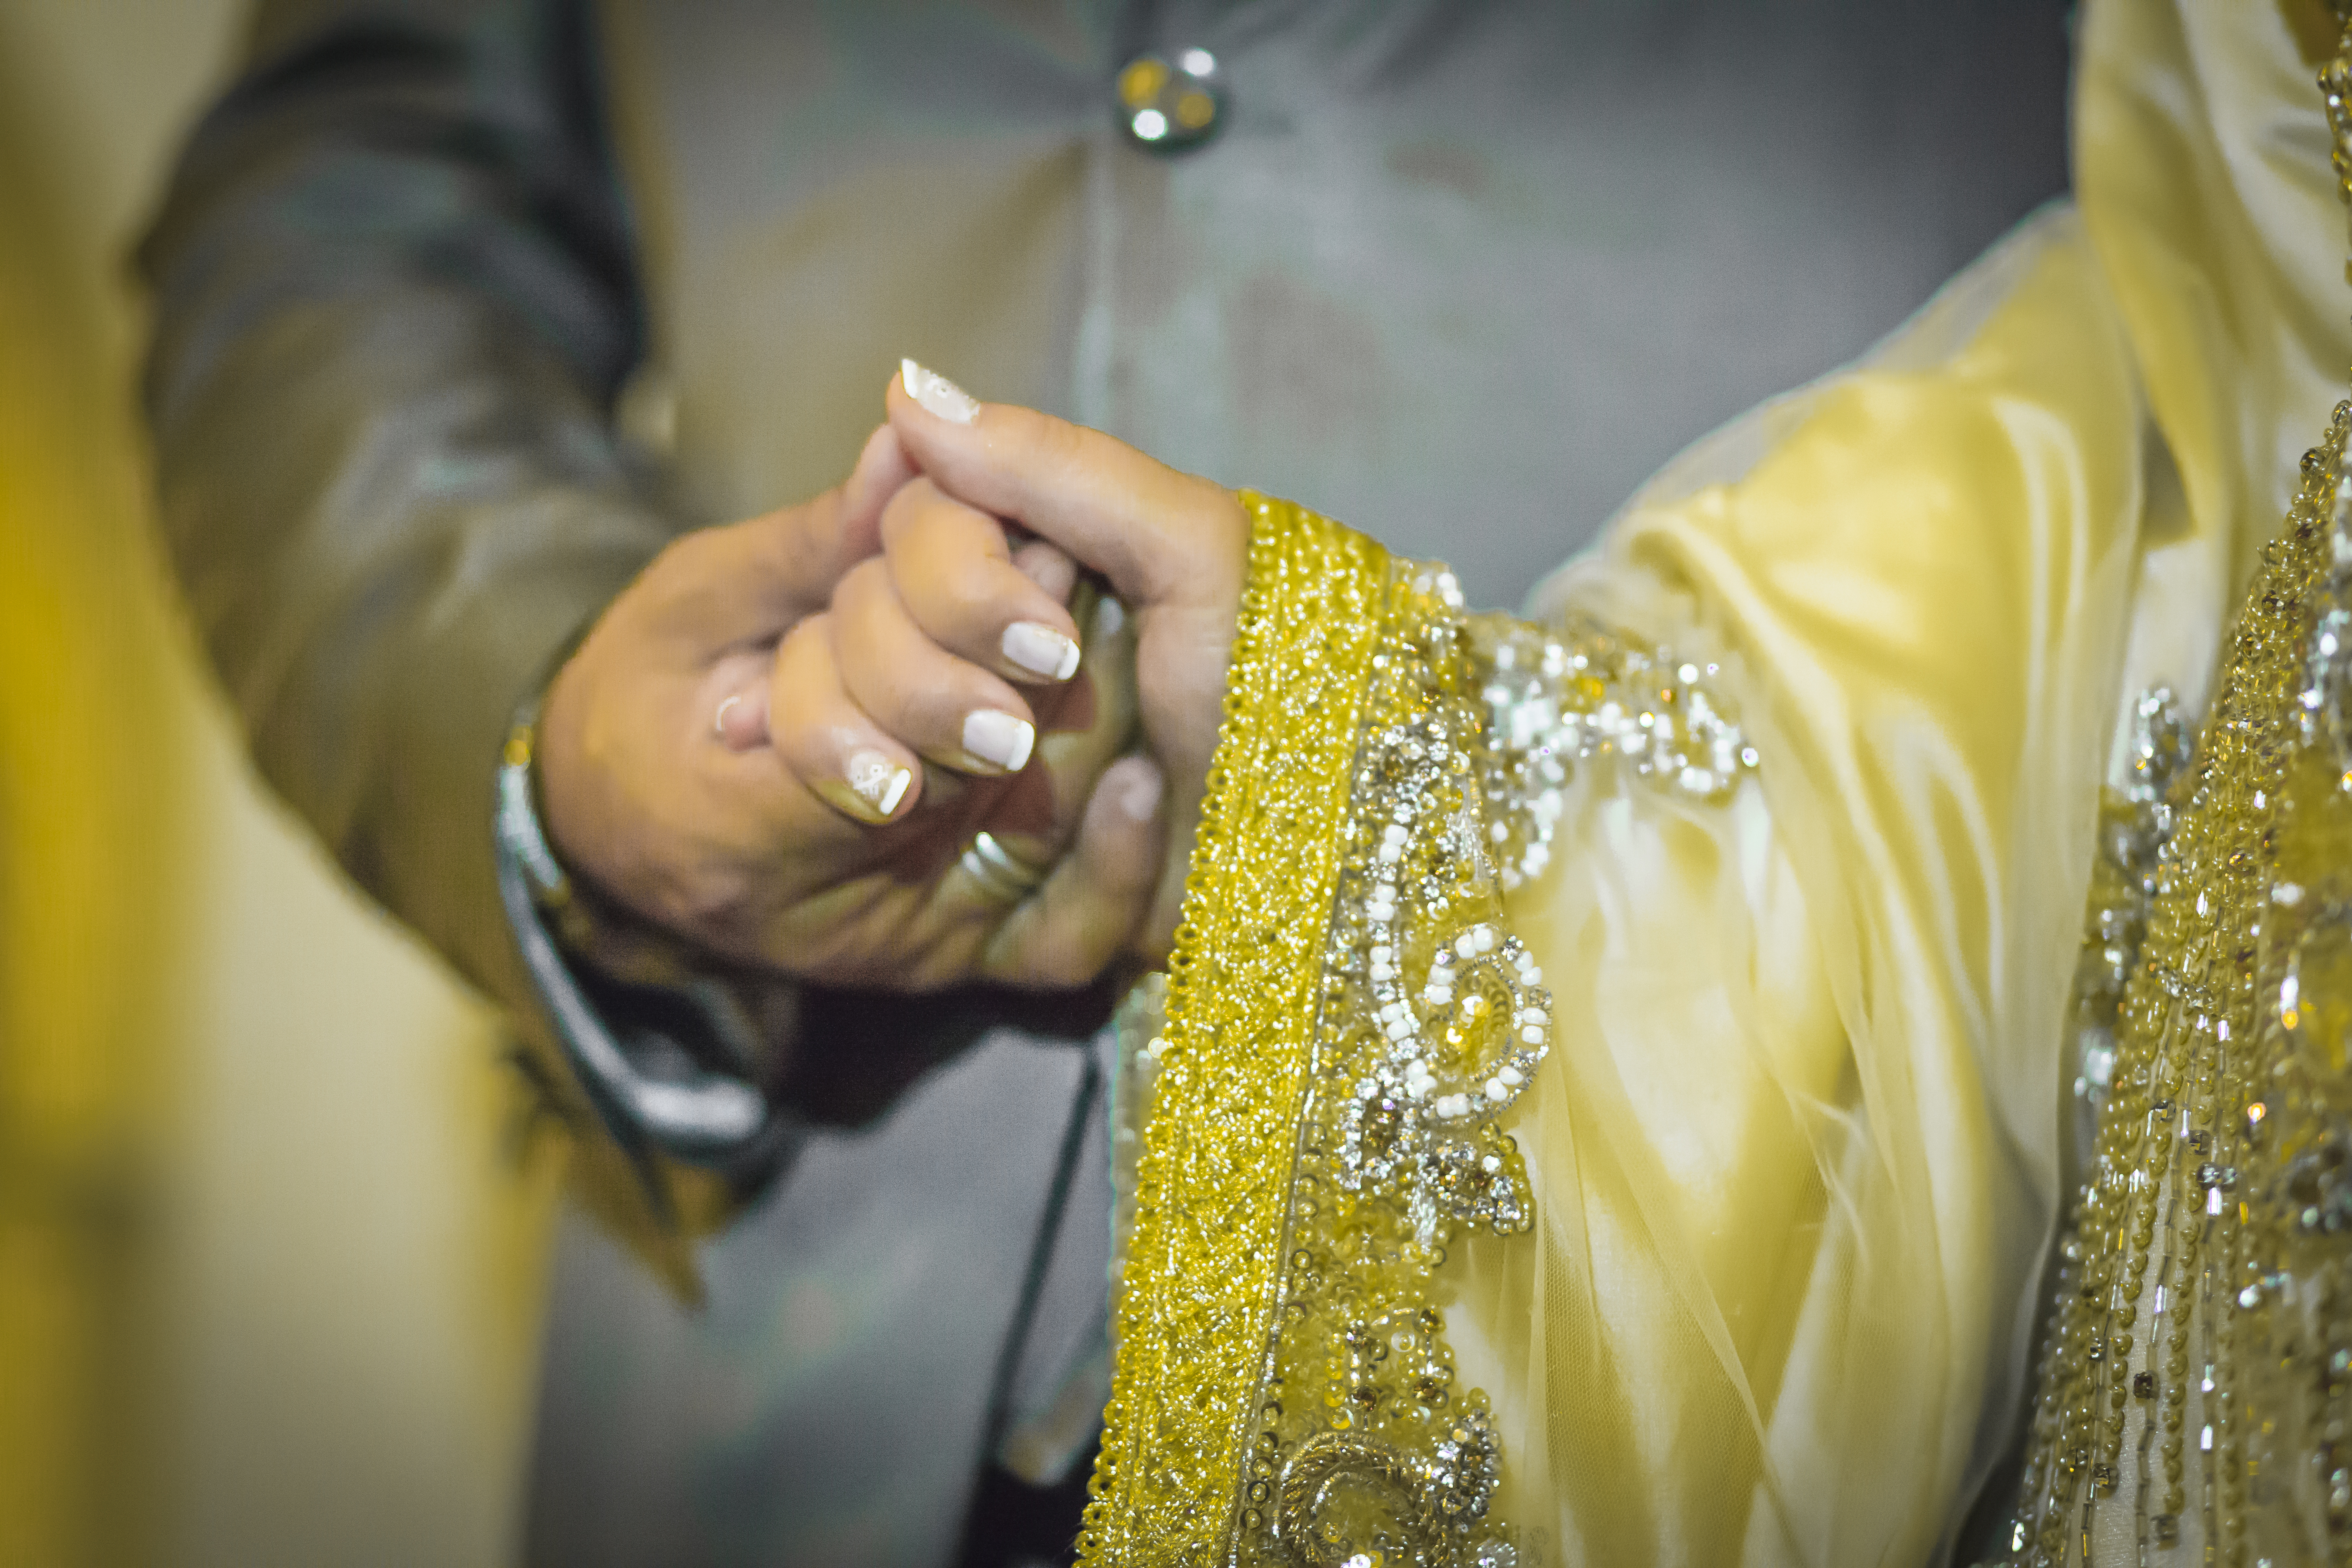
x=1174 y=547
x=737 y=752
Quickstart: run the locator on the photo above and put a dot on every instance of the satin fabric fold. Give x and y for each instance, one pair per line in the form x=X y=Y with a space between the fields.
x=1796 y=1154
x=1796 y=1151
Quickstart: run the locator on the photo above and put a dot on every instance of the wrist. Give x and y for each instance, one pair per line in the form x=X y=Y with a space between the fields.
x=586 y=923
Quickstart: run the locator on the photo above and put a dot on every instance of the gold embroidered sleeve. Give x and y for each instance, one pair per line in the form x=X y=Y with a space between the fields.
x=1347 y=1019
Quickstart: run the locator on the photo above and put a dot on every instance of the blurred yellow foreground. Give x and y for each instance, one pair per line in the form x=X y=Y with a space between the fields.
x=270 y=1255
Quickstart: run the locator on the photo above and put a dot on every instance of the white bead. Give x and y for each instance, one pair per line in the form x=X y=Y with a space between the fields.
x=1496 y=1089
x=1532 y=1034
x=1466 y=945
x=1511 y=1075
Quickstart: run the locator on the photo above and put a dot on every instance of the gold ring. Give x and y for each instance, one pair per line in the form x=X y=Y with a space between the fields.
x=1000 y=872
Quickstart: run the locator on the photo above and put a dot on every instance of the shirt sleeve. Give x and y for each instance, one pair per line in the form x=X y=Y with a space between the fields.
x=395 y=302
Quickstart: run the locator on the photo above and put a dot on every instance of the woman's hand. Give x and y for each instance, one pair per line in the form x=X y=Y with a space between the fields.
x=737 y=752
x=1173 y=547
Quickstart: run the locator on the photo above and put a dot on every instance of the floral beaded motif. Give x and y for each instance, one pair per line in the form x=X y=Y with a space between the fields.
x=1350 y=1439
x=1554 y=702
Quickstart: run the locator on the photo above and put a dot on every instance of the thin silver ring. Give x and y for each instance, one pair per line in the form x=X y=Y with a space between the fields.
x=1001 y=873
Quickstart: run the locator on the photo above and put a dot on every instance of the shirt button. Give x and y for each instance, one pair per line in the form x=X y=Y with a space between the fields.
x=1169 y=105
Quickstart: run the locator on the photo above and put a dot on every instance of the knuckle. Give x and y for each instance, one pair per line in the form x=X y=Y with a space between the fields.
x=863 y=585
x=1057 y=959
x=703 y=899
x=1056 y=444
x=802 y=653
x=904 y=510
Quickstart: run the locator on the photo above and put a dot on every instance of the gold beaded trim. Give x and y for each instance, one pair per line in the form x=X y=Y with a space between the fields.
x=1346 y=1022
x=1198 y=1289
x=2206 y=1277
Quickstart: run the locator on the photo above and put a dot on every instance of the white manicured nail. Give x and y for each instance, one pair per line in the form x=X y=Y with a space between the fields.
x=937 y=394
x=998 y=738
x=1041 y=650
x=1141 y=797
x=877 y=781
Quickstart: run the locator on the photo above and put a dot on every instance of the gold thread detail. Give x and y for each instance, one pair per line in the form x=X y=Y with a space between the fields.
x=1198 y=1290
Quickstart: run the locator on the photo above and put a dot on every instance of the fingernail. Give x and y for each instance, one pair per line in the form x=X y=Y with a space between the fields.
x=998 y=738
x=937 y=394
x=877 y=781
x=1141 y=798
x=1041 y=650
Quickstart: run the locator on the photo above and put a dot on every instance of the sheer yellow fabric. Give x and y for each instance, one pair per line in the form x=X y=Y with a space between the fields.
x=1796 y=1153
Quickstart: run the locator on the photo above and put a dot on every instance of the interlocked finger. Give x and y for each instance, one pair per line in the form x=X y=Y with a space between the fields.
x=957 y=575
x=827 y=741
x=944 y=707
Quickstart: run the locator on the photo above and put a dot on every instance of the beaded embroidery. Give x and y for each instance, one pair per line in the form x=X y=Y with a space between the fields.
x=2215 y=1216
x=2218 y=1188
x=1347 y=1020
x=1554 y=702
x=2135 y=824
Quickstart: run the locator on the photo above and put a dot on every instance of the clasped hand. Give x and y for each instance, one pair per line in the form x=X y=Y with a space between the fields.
x=778 y=740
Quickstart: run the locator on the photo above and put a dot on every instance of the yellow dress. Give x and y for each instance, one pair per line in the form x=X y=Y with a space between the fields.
x=1620 y=1078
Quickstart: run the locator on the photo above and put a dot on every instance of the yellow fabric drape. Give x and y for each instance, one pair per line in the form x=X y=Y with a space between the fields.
x=1813 y=1115
x=1796 y=1151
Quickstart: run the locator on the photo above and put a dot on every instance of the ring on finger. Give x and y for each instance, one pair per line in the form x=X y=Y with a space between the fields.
x=1001 y=873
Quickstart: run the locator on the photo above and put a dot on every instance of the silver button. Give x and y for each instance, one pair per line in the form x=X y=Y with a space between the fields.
x=1171 y=103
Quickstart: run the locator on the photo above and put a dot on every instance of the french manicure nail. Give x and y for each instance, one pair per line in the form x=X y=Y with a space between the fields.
x=1041 y=650
x=998 y=738
x=1142 y=794
x=877 y=781
x=937 y=394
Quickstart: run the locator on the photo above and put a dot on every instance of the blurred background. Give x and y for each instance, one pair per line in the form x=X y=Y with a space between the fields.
x=270 y=1246
x=273 y=1243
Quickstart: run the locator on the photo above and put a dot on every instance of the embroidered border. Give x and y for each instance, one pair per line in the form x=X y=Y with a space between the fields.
x=1199 y=1290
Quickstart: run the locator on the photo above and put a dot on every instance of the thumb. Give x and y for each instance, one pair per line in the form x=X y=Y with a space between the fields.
x=1159 y=535
x=882 y=469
